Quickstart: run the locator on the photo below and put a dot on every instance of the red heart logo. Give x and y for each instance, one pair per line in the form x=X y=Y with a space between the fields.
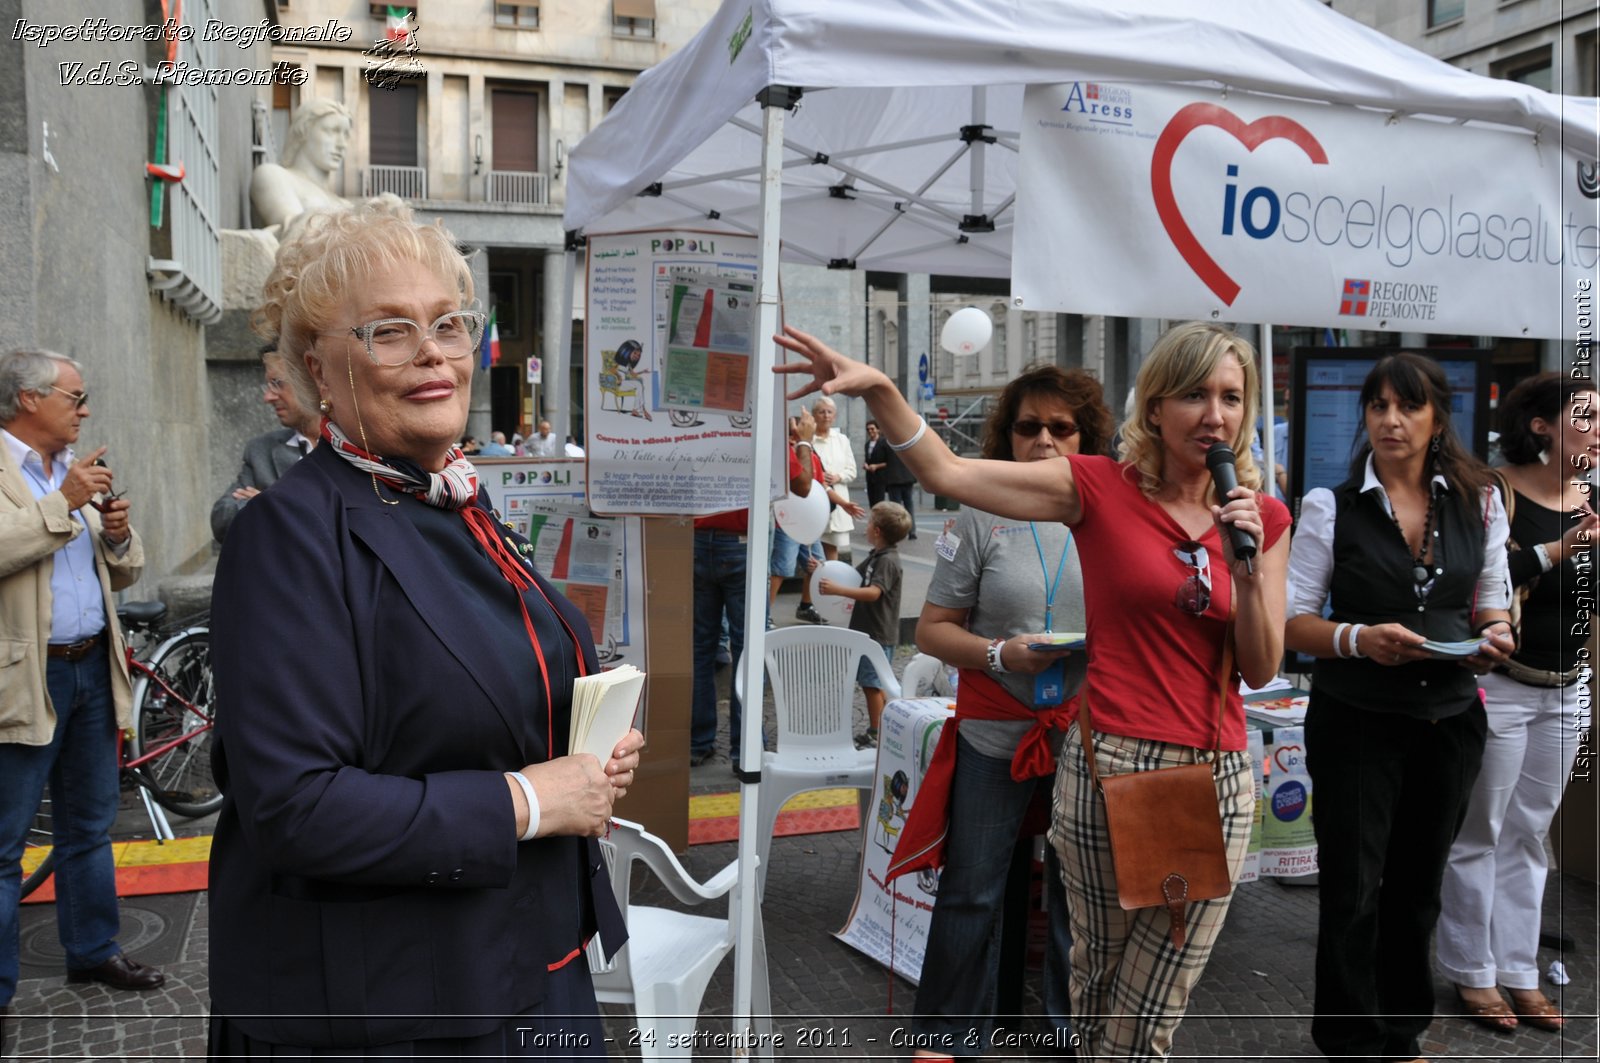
x=1284 y=756
x=1253 y=135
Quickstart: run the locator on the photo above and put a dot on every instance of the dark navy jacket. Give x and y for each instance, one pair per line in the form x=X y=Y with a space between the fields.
x=365 y=862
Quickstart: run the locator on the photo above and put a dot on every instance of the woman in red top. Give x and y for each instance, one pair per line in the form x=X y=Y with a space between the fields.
x=1160 y=583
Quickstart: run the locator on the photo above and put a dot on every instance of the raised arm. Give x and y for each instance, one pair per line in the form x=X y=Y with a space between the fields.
x=1021 y=490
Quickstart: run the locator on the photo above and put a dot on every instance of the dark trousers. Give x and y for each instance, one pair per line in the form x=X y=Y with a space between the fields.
x=903 y=494
x=719 y=570
x=1388 y=795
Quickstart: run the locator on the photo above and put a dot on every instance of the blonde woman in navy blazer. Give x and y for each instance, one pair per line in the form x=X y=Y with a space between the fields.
x=406 y=859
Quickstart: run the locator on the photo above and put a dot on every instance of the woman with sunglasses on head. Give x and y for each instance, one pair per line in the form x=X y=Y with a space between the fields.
x=997 y=580
x=1161 y=583
x=405 y=862
x=1537 y=704
x=1410 y=548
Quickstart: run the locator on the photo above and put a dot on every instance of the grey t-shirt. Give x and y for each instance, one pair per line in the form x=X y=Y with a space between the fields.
x=989 y=566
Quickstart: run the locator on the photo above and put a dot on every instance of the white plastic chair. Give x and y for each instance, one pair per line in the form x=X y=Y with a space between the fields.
x=812 y=672
x=926 y=675
x=663 y=970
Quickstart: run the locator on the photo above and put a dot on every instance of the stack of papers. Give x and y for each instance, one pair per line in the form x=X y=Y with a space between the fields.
x=603 y=707
x=1465 y=648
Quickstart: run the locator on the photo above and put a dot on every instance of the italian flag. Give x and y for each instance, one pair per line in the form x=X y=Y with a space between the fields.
x=396 y=29
x=490 y=353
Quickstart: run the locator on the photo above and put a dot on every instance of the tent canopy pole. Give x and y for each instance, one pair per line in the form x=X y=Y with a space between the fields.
x=775 y=100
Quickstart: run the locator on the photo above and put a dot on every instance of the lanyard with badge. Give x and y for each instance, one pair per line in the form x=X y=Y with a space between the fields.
x=1050 y=685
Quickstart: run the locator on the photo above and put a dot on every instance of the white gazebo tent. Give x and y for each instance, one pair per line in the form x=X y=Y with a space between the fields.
x=883 y=136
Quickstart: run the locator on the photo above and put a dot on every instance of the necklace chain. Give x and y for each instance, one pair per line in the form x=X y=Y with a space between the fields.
x=1419 y=570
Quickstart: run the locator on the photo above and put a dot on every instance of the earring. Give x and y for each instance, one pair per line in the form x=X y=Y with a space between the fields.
x=325 y=407
x=1544 y=456
x=1434 y=446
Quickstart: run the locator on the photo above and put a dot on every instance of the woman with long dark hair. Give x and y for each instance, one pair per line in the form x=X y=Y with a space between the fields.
x=1538 y=708
x=1410 y=552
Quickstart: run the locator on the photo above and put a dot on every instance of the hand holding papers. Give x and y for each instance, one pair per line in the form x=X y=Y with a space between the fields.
x=603 y=706
x=1059 y=640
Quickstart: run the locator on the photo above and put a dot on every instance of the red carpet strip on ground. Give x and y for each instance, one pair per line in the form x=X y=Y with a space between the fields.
x=715 y=817
x=144 y=868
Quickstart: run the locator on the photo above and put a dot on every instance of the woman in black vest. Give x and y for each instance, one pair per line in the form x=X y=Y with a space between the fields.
x=1538 y=706
x=1411 y=548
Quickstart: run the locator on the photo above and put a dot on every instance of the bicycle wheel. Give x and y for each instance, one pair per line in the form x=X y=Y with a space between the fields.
x=40 y=841
x=180 y=703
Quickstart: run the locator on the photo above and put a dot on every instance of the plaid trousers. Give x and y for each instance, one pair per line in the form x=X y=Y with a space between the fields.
x=1130 y=987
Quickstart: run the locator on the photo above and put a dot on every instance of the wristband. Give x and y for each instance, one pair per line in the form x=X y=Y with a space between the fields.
x=533 y=804
x=996 y=665
x=1338 y=640
x=1545 y=564
x=916 y=437
x=1355 y=641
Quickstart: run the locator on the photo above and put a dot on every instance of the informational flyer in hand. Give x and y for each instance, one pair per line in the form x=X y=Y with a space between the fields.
x=597 y=562
x=669 y=355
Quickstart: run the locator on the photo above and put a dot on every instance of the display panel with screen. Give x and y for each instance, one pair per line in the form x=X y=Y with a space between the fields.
x=1325 y=408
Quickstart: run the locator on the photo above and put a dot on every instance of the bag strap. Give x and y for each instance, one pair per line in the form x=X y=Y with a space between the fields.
x=1224 y=674
x=1508 y=497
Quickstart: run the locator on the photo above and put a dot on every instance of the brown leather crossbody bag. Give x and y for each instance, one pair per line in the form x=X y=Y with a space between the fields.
x=1166 y=831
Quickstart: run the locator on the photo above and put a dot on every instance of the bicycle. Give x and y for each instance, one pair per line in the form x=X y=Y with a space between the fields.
x=167 y=752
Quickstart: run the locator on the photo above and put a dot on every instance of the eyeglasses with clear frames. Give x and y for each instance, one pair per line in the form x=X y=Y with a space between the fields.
x=80 y=399
x=394 y=341
x=275 y=386
x=1059 y=429
x=1194 y=593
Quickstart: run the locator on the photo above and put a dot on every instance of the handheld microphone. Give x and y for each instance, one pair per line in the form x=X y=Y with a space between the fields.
x=1219 y=459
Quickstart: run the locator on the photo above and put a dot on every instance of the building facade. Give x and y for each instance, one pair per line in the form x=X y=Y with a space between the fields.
x=111 y=264
x=468 y=114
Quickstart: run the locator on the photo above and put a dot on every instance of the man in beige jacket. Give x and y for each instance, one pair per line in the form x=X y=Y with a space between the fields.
x=64 y=691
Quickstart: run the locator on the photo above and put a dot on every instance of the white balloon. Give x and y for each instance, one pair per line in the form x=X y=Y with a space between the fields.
x=835 y=608
x=967 y=331
x=803 y=519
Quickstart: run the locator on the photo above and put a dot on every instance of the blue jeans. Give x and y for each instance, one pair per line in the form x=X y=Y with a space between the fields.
x=81 y=765
x=719 y=571
x=788 y=556
x=961 y=966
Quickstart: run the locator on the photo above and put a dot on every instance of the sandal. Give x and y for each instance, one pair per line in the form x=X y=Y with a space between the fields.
x=1539 y=1011
x=1493 y=1014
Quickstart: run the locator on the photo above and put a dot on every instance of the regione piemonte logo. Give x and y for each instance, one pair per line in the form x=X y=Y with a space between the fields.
x=1353 y=301
x=1252 y=135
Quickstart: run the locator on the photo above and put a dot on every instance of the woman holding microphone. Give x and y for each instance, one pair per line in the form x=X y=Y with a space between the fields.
x=1162 y=582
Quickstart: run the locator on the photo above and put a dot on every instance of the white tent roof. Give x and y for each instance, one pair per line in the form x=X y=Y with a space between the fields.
x=902 y=77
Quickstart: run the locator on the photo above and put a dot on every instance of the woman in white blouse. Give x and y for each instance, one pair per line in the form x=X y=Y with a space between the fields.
x=1409 y=552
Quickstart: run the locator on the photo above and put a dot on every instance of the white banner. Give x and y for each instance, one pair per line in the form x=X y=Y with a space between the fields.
x=669 y=357
x=597 y=562
x=1153 y=201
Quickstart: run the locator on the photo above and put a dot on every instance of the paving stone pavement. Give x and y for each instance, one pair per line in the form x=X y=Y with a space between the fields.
x=1252 y=1004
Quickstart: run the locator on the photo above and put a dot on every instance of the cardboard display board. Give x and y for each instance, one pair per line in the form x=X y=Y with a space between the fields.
x=633 y=579
x=907 y=736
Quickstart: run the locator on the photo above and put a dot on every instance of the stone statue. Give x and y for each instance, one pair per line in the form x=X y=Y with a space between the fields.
x=318 y=135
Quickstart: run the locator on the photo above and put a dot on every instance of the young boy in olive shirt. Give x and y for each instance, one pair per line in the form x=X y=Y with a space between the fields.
x=877 y=609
